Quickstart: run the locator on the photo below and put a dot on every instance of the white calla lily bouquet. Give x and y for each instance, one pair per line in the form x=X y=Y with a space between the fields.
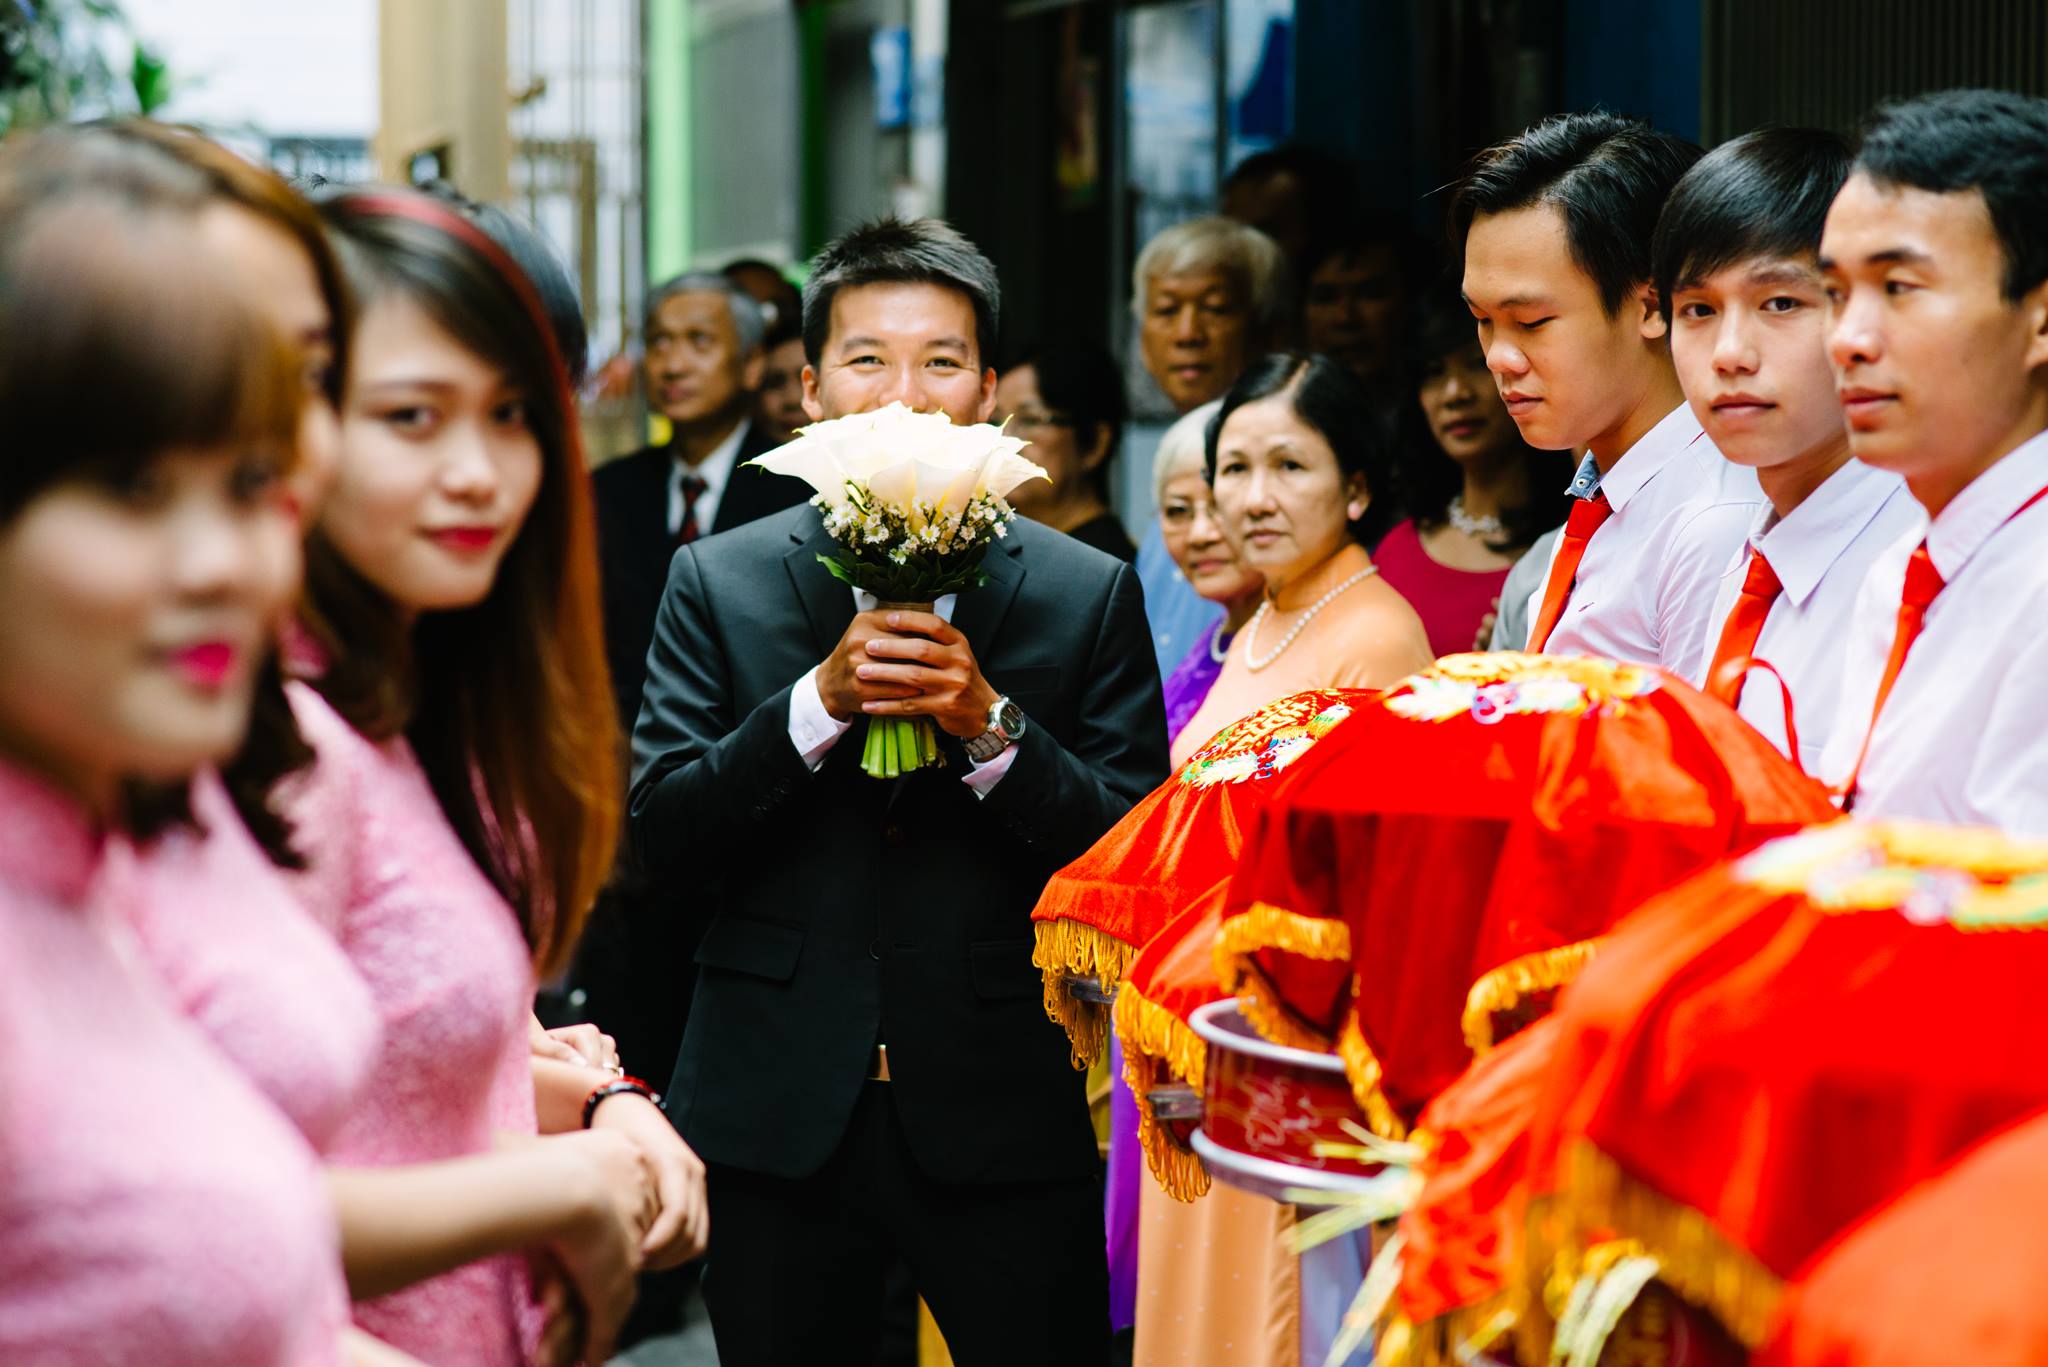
x=914 y=501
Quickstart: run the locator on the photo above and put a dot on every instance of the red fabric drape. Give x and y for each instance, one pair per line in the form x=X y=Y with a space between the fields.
x=1182 y=839
x=1787 y=1042
x=1442 y=864
x=1952 y=1271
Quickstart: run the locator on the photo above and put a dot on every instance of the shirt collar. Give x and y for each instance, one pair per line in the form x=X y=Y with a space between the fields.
x=1984 y=505
x=1585 y=480
x=1654 y=450
x=1804 y=544
x=716 y=468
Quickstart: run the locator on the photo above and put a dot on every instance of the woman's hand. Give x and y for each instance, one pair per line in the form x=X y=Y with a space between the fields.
x=599 y=1251
x=680 y=1232
x=561 y=1339
x=1484 y=639
x=584 y=1045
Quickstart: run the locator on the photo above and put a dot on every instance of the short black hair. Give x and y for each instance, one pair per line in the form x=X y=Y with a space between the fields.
x=1764 y=194
x=1081 y=381
x=891 y=250
x=1990 y=141
x=1329 y=398
x=1608 y=176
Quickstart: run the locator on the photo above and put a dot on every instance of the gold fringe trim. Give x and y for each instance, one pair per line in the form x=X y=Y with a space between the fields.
x=1149 y=1033
x=1699 y=1262
x=1062 y=947
x=1362 y=1067
x=1506 y=987
x=1448 y=1340
x=1259 y=1002
x=1265 y=926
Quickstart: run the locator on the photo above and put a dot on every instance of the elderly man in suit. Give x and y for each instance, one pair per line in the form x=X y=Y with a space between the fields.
x=867 y=1068
x=704 y=362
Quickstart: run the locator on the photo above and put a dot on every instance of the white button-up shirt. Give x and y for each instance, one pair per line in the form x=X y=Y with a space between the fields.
x=716 y=472
x=814 y=731
x=1821 y=552
x=1646 y=585
x=1964 y=734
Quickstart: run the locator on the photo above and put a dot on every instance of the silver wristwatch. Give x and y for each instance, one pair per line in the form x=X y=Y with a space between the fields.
x=1005 y=728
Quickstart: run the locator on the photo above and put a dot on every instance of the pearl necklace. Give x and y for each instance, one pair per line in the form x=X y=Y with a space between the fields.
x=1217 y=650
x=1487 y=528
x=1251 y=630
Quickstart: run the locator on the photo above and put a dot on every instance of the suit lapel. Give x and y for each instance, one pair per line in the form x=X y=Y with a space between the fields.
x=827 y=602
x=980 y=612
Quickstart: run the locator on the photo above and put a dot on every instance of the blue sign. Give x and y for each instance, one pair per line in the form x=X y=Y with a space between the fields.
x=889 y=53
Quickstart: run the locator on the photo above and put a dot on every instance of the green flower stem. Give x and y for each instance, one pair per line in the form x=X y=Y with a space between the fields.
x=896 y=746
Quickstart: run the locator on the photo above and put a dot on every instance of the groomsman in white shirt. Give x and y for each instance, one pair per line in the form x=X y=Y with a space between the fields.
x=1935 y=256
x=1737 y=267
x=1555 y=228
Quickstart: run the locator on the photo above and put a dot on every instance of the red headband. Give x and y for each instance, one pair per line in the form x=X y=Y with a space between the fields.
x=424 y=209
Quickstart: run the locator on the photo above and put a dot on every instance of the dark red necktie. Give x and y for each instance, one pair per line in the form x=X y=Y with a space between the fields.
x=693 y=489
x=1587 y=515
x=1760 y=589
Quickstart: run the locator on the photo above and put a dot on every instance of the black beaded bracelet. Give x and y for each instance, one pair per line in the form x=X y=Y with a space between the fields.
x=614 y=1088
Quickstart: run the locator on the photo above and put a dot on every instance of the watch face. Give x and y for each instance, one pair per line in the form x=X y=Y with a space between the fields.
x=1011 y=719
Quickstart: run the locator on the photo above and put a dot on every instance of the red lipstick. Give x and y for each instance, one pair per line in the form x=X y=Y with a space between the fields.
x=465 y=540
x=206 y=664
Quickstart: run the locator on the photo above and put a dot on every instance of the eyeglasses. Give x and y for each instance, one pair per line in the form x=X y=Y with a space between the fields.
x=1038 y=420
x=1179 y=516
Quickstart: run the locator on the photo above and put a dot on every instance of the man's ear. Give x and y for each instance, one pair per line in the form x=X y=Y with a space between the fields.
x=1651 y=321
x=814 y=406
x=2034 y=307
x=987 y=408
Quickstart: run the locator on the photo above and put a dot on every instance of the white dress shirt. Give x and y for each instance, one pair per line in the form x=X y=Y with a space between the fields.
x=716 y=472
x=1645 y=590
x=814 y=731
x=1963 y=738
x=1821 y=553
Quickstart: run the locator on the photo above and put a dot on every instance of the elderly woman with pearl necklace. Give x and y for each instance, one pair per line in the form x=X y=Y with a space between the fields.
x=1300 y=481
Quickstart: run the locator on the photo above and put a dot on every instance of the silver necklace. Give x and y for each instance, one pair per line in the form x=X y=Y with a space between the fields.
x=1251 y=630
x=1488 y=528
x=1217 y=650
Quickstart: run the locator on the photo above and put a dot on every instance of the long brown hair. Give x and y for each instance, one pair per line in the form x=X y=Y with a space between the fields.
x=274 y=748
x=507 y=703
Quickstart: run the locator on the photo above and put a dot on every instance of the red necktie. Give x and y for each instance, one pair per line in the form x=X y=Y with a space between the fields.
x=693 y=489
x=1760 y=589
x=1923 y=582
x=1587 y=515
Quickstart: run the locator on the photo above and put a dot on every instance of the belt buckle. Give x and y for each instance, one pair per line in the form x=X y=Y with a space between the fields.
x=878 y=1065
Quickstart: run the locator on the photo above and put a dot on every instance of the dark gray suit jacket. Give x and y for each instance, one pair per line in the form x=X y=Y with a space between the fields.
x=843 y=909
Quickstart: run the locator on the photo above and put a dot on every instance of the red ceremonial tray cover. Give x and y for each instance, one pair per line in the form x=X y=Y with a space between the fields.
x=1860 y=1006
x=1951 y=1271
x=1176 y=844
x=1444 y=861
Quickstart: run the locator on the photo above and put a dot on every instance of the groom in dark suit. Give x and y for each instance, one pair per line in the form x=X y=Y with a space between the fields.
x=868 y=1069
